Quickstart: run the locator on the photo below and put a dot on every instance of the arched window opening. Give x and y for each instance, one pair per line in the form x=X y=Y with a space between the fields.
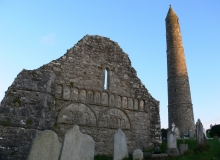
x=106 y=79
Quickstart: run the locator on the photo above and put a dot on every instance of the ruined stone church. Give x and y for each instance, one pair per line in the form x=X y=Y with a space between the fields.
x=92 y=85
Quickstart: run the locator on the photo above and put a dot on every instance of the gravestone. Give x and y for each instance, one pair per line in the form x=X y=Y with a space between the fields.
x=176 y=130
x=138 y=154
x=200 y=136
x=171 y=143
x=120 y=145
x=171 y=139
x=45 y=146
x=204 y=131
x=183 y=148
x=191 y=134
x=77 y=146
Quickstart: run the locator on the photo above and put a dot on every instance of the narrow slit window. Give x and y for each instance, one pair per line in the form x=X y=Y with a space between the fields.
x=106 y=79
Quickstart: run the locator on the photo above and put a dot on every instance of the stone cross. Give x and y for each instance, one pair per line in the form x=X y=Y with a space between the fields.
x=173 y=125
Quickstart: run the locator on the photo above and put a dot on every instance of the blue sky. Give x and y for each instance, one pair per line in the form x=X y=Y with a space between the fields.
x=33 y=33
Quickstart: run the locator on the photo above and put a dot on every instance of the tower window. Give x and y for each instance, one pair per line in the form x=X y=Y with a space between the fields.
x=106 y=79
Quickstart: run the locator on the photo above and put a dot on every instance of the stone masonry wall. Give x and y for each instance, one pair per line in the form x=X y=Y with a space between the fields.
x=71 y=91
x=27 y=109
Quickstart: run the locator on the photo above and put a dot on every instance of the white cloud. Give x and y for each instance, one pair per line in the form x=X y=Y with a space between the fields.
x=49 y=39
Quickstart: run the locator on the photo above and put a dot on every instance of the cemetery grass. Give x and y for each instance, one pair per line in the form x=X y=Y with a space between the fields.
x=105 y=157
x=210 y=153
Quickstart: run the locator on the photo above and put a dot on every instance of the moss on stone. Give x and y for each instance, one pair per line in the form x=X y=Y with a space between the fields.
x=33 y=73
x=5 y=123
x=29 y=121
x=17 y=100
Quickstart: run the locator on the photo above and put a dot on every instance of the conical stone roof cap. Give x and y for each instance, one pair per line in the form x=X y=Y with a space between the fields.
x=171 y=13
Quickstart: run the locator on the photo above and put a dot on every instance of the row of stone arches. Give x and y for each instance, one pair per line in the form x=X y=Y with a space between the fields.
x=100 y=98
x=82 y=114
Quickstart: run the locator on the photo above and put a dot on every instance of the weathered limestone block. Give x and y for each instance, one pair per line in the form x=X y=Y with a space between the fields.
x=46 y=146
x=136 y=104
x=118 y=101
x=82 y=95
x=130 y=103
x=75 y=94
x=59 y=91
x=120 y=145
x=138 y=154
x=77 y=146
x=124 y=102
x=112 y=101
x=97 y=98
x=141 y=106
x=67 y=93
x=104 y=98
x=90 y=97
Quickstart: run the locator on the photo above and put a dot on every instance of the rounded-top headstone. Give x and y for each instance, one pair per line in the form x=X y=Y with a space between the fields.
x=77 y=146
x=45 y=146
x=120 y=145
x=138 y=154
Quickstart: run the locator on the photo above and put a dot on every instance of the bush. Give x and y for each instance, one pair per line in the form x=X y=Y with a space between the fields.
x=215 y=130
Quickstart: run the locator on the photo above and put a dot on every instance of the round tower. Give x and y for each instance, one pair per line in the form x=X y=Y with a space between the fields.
x=180 y=110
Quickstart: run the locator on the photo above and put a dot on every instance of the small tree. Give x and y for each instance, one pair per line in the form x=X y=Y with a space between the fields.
x=215 y=131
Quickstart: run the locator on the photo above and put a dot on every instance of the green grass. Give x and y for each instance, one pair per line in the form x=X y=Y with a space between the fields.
x=212 y=153
x=204 y=153
x=103 y=157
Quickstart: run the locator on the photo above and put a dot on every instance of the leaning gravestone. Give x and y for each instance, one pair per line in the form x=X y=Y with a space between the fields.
x=138 y=155
x=120 y=145
x=46 y=146
x=77 y=146
x=171 y=143
x=200 y=137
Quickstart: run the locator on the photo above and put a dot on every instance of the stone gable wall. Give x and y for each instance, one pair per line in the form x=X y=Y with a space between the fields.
x=26 y=110
x=70 y=90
